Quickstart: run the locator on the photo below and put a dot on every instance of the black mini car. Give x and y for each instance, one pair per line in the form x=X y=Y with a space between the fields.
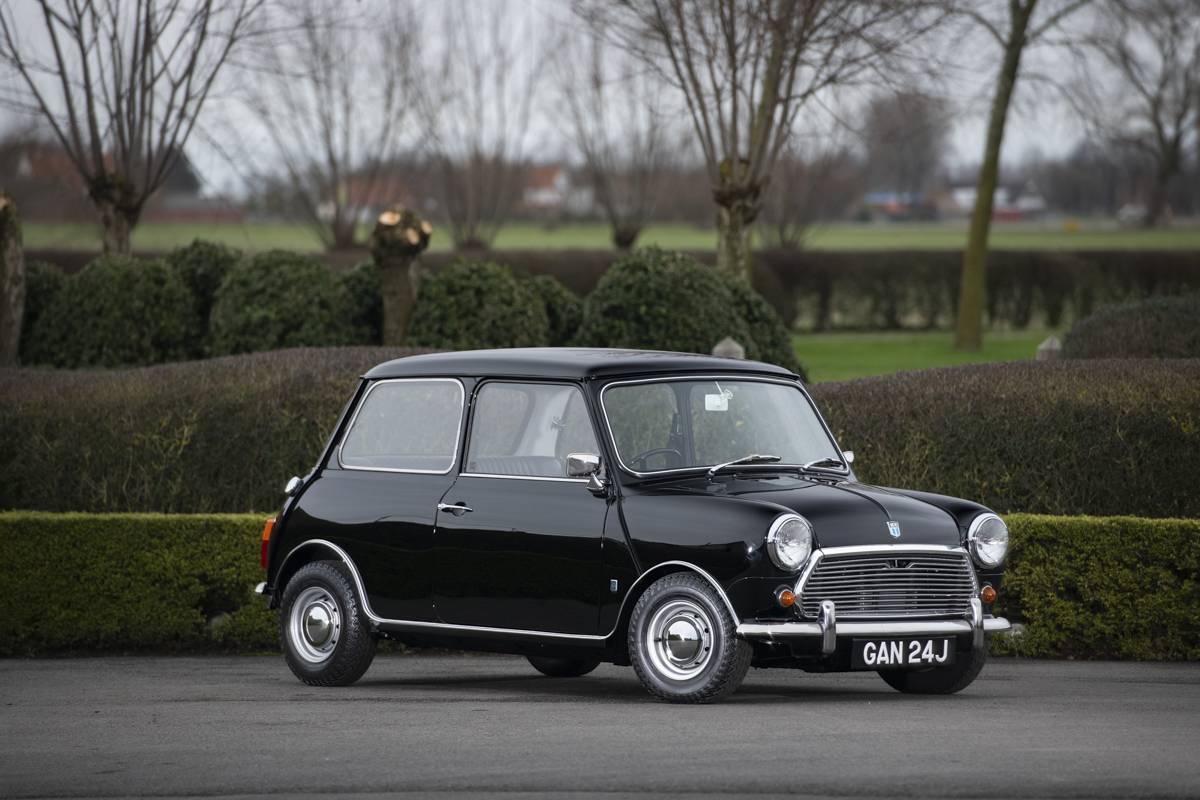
x=688 y=515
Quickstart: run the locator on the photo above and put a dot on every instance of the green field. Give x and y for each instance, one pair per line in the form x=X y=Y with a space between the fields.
x=843 y=356
x=524 y=235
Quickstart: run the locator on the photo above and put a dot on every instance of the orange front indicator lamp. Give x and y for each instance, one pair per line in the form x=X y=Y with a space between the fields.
x=785 y=597
x=268 y=526
x=987 y=594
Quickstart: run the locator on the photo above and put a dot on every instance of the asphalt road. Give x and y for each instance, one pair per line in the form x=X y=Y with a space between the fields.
x=477 y=726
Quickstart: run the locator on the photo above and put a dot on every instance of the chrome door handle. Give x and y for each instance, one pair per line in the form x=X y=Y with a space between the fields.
x=456 y=510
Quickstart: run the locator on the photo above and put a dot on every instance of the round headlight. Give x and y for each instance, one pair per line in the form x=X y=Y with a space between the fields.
x=988 y=537
x=789 y=541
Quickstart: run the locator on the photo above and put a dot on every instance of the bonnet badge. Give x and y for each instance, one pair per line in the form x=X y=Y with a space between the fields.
x=894 y=529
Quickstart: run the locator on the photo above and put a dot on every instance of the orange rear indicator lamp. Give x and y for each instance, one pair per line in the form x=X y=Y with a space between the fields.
x=268 y=526
x=785 y=597
x=987 y=594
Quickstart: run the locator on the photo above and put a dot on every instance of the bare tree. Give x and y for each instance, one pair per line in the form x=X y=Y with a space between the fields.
x=614 y=113
x=120 y=85
x=906 y=134
x=477 y=108
x=746 y=68
x=1151 y=50
x=811 y=185
x=1012 y=26
x=332 y=88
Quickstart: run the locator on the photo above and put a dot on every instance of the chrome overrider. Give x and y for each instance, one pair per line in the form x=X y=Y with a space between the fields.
x=827 y=629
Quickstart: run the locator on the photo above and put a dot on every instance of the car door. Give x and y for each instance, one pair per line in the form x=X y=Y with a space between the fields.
x=518 y=543
x=394 y=463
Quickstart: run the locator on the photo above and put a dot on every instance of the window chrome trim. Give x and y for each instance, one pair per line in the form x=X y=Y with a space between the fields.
x=462 y=395
x=521 y=477
x=795 y=384
x=419 y=625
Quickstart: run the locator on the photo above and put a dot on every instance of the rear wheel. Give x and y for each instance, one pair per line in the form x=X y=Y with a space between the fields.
x=683 y=644
x=563 y=667
x=939 y=680
x=323 y=630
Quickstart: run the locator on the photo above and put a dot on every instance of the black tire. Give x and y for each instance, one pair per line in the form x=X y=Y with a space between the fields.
x=700 y=671
x=325 y=588
x=563 y=667
x=939 y=680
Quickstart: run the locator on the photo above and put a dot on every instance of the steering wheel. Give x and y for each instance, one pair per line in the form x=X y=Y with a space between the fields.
x=640 y=458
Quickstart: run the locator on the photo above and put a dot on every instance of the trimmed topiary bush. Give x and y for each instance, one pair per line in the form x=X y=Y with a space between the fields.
x=1161 y=327
x=43 y=281
x=202 y=266
x=279 y=299
x=117 y=311
x=1102 y=587
x=362 y=285
x=1101 y=437
x=564 y=311
x=658 y=300
x=473 y=305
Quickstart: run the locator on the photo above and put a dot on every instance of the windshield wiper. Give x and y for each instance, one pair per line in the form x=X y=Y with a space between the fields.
x=824 y=462
x=751 y=459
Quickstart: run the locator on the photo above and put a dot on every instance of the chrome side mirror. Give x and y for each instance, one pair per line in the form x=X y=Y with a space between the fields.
x=293 y=485
x=848 y=456
x=582 y=465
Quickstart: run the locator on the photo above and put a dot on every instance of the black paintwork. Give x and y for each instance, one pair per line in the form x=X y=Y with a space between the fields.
x=540 y=556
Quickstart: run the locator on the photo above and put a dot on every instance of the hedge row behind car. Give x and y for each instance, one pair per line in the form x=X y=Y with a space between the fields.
x=1083 y=587
x=1071 y=437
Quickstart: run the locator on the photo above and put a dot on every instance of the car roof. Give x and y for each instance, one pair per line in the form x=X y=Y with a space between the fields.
x=564 y=362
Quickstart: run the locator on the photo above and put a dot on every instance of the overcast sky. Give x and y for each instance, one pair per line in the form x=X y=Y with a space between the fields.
x=227 y=149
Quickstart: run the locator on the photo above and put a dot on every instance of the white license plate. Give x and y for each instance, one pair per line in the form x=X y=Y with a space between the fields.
x=894 y=653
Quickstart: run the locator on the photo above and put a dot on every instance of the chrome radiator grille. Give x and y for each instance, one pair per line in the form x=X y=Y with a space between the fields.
x=891 y=584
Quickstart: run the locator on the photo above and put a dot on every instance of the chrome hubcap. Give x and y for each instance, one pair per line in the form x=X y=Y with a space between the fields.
x=315 y=624
x=679 y=639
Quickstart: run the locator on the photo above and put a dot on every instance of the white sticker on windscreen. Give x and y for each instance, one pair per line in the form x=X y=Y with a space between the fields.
x=716 y=402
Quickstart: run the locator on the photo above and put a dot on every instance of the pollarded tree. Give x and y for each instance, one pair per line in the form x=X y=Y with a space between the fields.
x=746 y=68
x=121 y=85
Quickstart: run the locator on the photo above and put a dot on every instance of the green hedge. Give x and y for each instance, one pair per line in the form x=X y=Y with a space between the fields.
x=1094 y=436
x=200 y=436
x=473 y=305
x=1068 y=437
x=1103 y=587
x=1161 y=327
x=1082 y=587
x=82 y=583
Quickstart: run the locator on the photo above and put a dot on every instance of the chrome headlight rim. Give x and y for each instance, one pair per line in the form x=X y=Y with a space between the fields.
x=973 y=540
x=773 y=543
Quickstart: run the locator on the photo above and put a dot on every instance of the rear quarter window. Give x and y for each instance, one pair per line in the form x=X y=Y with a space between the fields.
x=405 y=425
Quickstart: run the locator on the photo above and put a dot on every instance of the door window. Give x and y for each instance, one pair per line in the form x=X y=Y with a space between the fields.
x=405 y=426
x=528 y=429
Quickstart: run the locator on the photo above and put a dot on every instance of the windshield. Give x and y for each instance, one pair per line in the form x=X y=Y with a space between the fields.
x=692 y=423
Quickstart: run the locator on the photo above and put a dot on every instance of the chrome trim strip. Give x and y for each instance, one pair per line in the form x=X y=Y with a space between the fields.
x=462 y=396
x=418 y=626
x=735 y=376
x=521 y=477
x=951 y=627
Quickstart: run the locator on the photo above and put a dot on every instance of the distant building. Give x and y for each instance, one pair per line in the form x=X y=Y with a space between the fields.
x=1012 y=203
x=554 y=191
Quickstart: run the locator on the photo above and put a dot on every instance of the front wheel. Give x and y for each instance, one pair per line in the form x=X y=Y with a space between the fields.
x=938 y=680
x=683 y=644
x=323 y=629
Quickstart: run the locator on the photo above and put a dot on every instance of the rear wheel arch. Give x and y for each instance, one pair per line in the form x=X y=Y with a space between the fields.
x=306 y=553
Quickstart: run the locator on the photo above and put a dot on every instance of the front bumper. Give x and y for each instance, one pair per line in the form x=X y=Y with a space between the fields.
x=827 y=629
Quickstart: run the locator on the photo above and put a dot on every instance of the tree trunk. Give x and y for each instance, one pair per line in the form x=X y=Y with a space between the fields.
x=398 y=280
x=733 y=241
x=12 y=282
x=969 y=327
x=1158 y=193
x=624 y=235
x=117 y=227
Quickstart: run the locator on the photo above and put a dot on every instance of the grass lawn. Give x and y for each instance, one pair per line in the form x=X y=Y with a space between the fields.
x=524 y=235
x=842 y=356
